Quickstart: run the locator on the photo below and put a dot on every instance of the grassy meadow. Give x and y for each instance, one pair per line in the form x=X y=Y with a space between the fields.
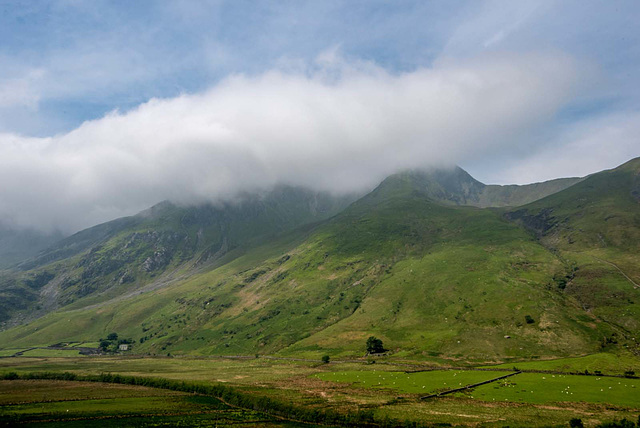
x=391 y=389
x=54 y=403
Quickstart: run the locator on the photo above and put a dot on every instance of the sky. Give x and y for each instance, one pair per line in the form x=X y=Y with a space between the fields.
x=108 y=107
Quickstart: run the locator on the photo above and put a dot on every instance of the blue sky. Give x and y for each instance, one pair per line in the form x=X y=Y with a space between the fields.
x=117 y=54
x=566 y=74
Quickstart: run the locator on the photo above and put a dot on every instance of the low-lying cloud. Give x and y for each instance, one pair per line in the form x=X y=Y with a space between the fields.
x=337 y=126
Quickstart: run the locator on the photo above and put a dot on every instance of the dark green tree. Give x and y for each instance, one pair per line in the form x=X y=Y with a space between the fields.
x=325 y=359
x=112 y=336
x=374 y=345
x=576 y=423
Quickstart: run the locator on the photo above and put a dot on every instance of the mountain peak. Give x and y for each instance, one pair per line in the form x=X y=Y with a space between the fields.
x=455 y=186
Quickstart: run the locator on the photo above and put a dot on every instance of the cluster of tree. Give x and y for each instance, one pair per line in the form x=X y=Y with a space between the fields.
x=374 y=346
x=112 y=343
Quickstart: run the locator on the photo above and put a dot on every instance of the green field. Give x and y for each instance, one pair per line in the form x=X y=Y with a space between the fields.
x=383 y=388
x=62 y=403
x=548 y=388
x=411 y=383
x=10 y=352
x=50 y=353
x=608 y=363
x=532 y=388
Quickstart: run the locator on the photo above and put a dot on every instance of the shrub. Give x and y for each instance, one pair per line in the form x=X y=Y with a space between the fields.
x=325 y=359
x=374 y=345
x=10 y=376
x=529 y=319
x=576 y=423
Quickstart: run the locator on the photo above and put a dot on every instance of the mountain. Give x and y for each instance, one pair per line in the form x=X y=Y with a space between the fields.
x=594 y=227
x=153 y=247
x=17 y=245
x=456 y=186
x=413 y=262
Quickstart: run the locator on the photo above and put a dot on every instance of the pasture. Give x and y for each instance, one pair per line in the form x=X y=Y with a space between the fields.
x=533 y=388
x=388 y=389
x=54 y=403
x=411 y=383
x=537 y=388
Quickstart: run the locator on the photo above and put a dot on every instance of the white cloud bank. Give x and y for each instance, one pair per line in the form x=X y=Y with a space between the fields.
x=583 y=148
x=339 y=127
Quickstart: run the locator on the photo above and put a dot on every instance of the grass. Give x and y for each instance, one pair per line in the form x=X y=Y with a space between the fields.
x=344 y=386
x=535 y=388
x=530 y=388
x=422 y=383
x=210 y=370
x=51 y=353
x=34 y=391
x=85 y=345
x=10 y=352
x=471 y=412
x=607 y=363
x=62 y=403
x=524 y=400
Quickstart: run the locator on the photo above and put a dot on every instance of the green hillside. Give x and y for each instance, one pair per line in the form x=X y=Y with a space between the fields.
x=157 y=246
x=456 y=186
x=594 y=227
x=405 y=263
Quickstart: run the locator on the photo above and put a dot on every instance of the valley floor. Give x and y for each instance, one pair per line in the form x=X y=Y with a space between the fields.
x=540 y=393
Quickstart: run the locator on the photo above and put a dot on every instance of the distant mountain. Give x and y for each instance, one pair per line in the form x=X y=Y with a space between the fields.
x=125 y=254
x=19 y=244
x=413 y=262
x=457 y=187
x=601 y=212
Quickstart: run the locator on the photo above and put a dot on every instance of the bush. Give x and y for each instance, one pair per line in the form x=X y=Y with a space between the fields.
x=374 y=346
x=529 y=319
x=576 y=423
x=325 y=359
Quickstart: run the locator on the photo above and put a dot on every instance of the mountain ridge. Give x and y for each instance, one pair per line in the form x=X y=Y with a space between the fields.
x=430 y=277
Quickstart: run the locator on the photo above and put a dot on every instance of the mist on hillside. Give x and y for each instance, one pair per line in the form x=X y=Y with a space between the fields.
x=335 y=126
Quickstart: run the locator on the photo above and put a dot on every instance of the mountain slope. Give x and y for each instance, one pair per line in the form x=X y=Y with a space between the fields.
x=427 y=276
x=156 y=246
x=17 y=245
x=456 y=186
x=594 y=227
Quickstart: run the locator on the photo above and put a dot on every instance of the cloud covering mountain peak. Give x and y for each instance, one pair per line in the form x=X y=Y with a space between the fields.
x=335 y=125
